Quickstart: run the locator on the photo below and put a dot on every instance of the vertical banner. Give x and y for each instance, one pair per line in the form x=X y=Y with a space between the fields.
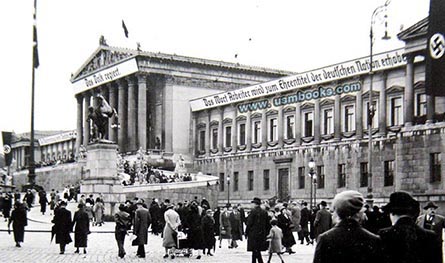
x=7 y=140
x=435 y=59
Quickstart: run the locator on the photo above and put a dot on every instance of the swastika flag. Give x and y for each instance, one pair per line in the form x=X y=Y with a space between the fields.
x=435 y=58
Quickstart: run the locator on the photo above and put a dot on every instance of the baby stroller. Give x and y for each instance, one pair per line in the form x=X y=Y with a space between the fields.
x=182 y=248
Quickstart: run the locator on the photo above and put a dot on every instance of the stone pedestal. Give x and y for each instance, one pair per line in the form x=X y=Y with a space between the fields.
x=101 y=176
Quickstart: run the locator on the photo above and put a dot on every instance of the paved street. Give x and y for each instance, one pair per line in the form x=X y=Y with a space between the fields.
x=102 y=247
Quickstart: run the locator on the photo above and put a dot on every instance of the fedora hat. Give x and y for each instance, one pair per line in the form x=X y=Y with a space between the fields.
x=401 y=203
x=256 y=200
x=430 y=204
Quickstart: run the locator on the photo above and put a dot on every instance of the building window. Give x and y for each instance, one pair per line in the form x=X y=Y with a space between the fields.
x=266 y=180
x=221 y=182
x=256 y=132
x=363 y=174
x=375 y=119
x=273 y=134
x=396 y=111
x=421 y=104
x=202 y=140
x=228 y=134
x=235 y=181
x=308 y=124
x=341 y=180
x=215 y=138
x=250 y=181
x=242 y=134
x=328 y=121
x=436 y=172
x=290 y=127
x=320 y=176
x=389 y=173
x=301 y=177
x=349 y=118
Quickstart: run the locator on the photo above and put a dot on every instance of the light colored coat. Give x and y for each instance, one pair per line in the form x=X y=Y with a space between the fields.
x=172 y=222
x=275 y=236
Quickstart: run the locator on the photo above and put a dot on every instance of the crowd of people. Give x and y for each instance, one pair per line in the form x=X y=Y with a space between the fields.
x=347 y=231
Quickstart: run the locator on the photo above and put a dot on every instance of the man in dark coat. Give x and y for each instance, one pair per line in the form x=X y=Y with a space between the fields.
x=257 y=230
x=193 y=228
x=236 y=226
x=43 y=201
x=142 y=221
x=29 y=198
x=348 y=242
x=62 y=226
x=81 y=224
x=122 y=219
x=7 y=205
x=208 y=231
x=155 y=213
x=304 y=221
x=285 y=224
x=405 y=241
x=432 y=221
x=19 y=220
x=323 y=220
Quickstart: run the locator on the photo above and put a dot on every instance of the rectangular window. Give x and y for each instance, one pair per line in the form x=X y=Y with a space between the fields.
x=308 y=124
x=328 y=121
x=215 y=138
x=349 y=118
x=301 y=177
x=421 y=105
x=242 y=134
x=396 y=111
x=256 y=130
x=388 y=173
x=436 y=171
x=375 y=119
x=202 y=140
x=266 y=180
x=273 y=134
x=290 y=127
x=250 y=181
x=320 y=176
x=235 y=181
x=221 y=182
x=228 y=135
x=363 y=174
x=341 y=180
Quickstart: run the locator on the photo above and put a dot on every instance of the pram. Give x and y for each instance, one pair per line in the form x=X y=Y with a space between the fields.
x=182 y=248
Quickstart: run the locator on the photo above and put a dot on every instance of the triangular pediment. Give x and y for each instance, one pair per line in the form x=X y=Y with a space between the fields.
x=419 y=29
x=103 y=57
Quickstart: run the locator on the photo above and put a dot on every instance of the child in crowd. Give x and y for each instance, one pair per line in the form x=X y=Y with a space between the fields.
x=275 y=236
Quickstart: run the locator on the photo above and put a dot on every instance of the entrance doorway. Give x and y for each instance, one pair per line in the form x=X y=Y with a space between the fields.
x=283 y=183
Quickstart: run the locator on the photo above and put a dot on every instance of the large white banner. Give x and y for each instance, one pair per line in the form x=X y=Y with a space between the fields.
x=107 y=75
x=346 y=69
x=57 y=138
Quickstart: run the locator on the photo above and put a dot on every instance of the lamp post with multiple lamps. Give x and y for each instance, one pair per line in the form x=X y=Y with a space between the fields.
x=228 y=189
x=371 y=108
x=311 y=174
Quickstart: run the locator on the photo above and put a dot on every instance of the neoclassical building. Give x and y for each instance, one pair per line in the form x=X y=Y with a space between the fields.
x=259 y=139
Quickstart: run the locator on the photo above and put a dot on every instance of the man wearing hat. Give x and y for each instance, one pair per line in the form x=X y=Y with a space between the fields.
x=62 y=226
x=257 y=230
x=323 y=220
x=348 y=241
x=432 y=221
x=405 y=241
x=142 y=221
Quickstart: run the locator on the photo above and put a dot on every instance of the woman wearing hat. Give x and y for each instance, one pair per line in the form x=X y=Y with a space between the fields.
x=285 y=223
x=348 y=242
x=81 y=224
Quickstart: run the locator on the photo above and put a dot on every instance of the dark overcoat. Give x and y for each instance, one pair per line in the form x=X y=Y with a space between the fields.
x=285 y=224
x=236 y=225
x=62 y=225
x=437 y=225
x=304 y=221
x=81 y=224
x=407 y=242
x=19 y=221
x=322 y=222
x=257 y=230
x=348 y=242
x=208 y=231
x=142 y=221
x=194 y=230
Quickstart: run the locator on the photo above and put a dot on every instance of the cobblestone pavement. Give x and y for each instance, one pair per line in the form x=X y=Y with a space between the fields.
x=102 y=247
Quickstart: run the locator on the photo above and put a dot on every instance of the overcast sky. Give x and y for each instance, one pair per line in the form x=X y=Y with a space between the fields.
x=290 y=35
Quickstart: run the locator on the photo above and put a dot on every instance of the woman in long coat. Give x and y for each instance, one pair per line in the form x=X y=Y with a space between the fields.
x=194 y=233
x=285 y=223
x=225 y=230
x=81 y=224
x=19 y=220
x=99 y=212
x=236 y=226
x=169 y=236
x=208 y=231
x=43 y=200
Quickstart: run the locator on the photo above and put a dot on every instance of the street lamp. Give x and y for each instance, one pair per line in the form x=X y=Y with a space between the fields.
x=311 y=174
x=228 y=189
x=371 y=109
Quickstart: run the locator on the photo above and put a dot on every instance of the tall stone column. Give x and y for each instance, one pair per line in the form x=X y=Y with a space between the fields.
x=337 y=118
x=359 y=115
x=317 y=121
x=248 y=132
x=409 y=90
x=264 y=129
x=221 y=132
x=122 y=111
x=142 y=111
x=132 y=115
x=79 y=126
x=207 y=134
x=234 y=132
x=382 y=106
x=86 y=124
x=113 y=103
x=298 y=124
x=280 y=130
